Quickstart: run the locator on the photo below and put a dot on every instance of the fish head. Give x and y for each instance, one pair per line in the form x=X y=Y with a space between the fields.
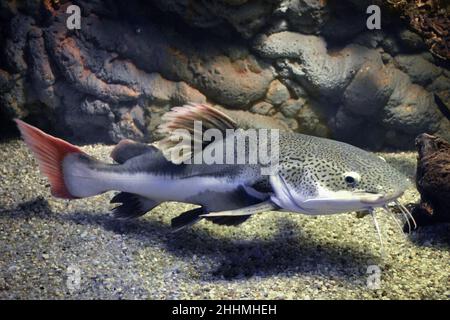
x=336 y=178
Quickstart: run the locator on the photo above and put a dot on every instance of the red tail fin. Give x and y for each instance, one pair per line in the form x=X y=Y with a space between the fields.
x=49 y=152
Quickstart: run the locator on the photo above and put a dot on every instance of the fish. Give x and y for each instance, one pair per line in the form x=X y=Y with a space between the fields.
x=314 y=176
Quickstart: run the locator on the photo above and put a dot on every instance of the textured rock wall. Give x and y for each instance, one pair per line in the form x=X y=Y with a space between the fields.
x=303 y=65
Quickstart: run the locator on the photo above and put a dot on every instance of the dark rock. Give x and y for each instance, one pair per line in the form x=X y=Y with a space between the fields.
x=411 y=41
x=5 y=81
x=14 y=49
x=312 y=120
x=440 y=84
x=306 y=16
x=412 y=110
x=397 y=139
x=344 y=124
x=373 y=80
x=390 y=44
x=131 y=125
x=370 y=39
x=444 y=129
x=246 y=17
x=41 y=71
x=338 y=27
x=13 y=100
x=420 y=70
x=432 y=180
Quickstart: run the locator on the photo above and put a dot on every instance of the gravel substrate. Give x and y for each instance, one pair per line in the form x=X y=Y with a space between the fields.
x=44 y=242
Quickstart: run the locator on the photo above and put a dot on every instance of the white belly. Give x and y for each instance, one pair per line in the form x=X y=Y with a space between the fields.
x=164 y=188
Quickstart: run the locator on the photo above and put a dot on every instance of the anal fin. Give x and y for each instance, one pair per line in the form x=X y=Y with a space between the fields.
x=132 y=205
x=186 y=219
x=193 y=216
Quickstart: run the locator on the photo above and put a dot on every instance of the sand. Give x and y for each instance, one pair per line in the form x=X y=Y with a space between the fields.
x=59 y=249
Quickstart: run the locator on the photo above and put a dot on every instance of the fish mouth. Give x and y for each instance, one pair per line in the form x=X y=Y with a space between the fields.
x=377 y=199
x=336 y=202
x=347 y=201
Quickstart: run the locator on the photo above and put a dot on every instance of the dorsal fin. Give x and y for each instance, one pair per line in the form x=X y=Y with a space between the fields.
x=127 y=149
x=183 y=118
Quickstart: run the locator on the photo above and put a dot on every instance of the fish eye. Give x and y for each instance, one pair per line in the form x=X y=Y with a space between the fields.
x=351 y=178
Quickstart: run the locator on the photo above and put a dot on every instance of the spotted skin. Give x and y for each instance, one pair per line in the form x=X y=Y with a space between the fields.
x=307 y=162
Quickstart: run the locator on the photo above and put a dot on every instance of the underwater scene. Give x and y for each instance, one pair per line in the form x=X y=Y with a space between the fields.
x=225 y=149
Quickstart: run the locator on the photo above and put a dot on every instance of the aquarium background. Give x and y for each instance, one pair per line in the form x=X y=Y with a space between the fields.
x=309 y=66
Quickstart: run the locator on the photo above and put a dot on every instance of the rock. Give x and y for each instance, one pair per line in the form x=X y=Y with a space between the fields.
x=440 y=84
x=130 y=126
x=372 y=80
x=370 y=39
x=248 y=120
x=121 y=71
x=420 y=70
x=246 y=17
x=344 y=124
x=306 y=16
x=291 y=107
x=444 y=129
x=411 y=41
x=386 y=57
x=277 y=93
x=432 y=180
x=43 y=78
x=398 y=139
x=263 y=108
x=338 y=27
x=69 y=55
x=390 y=45
x=412 y=110
x=322 y=74
x=89 y=119
x=295 y=88
x=292 y=123
x=200 y=64
x=311 y=121
x=14 y=49
x=278 y=25
x=5 y=81
x=13 y=100
x=289 y=44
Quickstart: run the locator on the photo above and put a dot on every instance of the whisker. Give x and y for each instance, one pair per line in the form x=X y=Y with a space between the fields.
x=406 y=211
x=397 y=222
x=404 y=216
x=377 y=227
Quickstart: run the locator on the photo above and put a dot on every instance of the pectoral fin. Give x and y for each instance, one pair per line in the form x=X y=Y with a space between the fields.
x=246 y=211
